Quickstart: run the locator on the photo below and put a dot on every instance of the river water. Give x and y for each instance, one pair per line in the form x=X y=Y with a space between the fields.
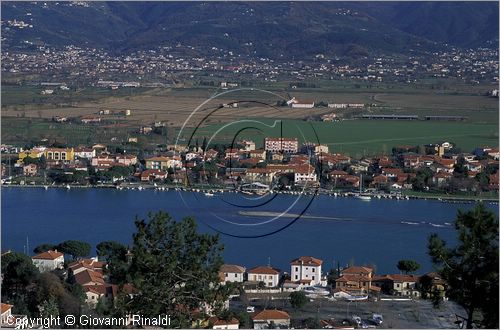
x=378 y=232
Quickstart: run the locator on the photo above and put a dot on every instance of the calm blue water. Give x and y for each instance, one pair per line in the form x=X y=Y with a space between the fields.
x=378 y=232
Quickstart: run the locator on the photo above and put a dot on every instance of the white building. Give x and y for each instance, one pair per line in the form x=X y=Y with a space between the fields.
x=304 y=174
x=48 y=261
x=263 y=319
x=231 y=273
x=320 y=148
x=82 y=152
x=192 y=155
x=267 y=274
x=217 y=323
x=337 y=105
x=294 y=103
x=248 y=145
x=356 y=105
x=306 y=269
x=6 y=311
x=286 y=145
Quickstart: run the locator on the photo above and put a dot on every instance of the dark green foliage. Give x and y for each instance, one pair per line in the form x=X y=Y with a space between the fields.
x=76 y=249
x=298 y=299
x=28 y=160
x=44 y=248
x=408 y=266
x=175 y=269
x=115 y=255
x=422 y=179
x=204 y=144
x=244 y=318
x=110 y=250
x=471 y=267
x=118 y=172
x=33 y=293
x=312 y=323
x=333 y=274
x=460 y=171
x=18 y=272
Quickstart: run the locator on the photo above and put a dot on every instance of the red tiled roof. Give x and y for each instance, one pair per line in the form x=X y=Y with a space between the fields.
x=87 y=263
x=216 y=321
x=396 y=278
x=271 y=314
x=403 y=278
x=307 y=261
x=260 y=170
x=87 y=276
x=264 y=270
x=389 y=170
x=48 y=255
x=304 y=169
x=158 y=159
x=147 y=173
x=446 y=162
x=232 y=269
x=357 y=270
x=380 y=179
x=97 y=289
x=5 y=307
x=353 y=278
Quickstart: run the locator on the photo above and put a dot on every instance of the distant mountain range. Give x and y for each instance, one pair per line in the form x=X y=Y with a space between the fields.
x=276 y=29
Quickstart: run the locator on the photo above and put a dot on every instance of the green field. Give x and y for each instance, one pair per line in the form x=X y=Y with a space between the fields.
x=353 y=137
x=23 y=131
x=357 y=137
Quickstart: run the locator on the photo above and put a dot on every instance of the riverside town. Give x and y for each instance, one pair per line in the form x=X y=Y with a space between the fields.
x=249 y=165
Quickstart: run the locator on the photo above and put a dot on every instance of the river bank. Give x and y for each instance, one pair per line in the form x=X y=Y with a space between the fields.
x=320 y=191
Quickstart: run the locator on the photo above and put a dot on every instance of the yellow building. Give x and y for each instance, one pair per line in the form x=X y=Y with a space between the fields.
x=163 y=163
x=34 y=153
x=157 y=163
x=60 y=154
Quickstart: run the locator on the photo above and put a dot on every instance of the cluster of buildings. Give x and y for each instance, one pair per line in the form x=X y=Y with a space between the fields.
x=281 y=162
x=89 y=273
x=352 y=283
x=306 y=272
x=155 y=66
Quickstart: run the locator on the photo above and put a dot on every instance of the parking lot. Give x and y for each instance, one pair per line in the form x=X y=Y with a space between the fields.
x=397 y=314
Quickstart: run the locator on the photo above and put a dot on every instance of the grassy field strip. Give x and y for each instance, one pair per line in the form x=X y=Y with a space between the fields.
x=361 y=136
x=395 y=139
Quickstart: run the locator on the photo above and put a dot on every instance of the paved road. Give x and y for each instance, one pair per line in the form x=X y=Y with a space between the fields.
x=418 y=314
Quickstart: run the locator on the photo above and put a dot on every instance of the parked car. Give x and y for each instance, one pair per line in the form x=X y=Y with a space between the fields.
x=377 y=319
x=250 y=309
